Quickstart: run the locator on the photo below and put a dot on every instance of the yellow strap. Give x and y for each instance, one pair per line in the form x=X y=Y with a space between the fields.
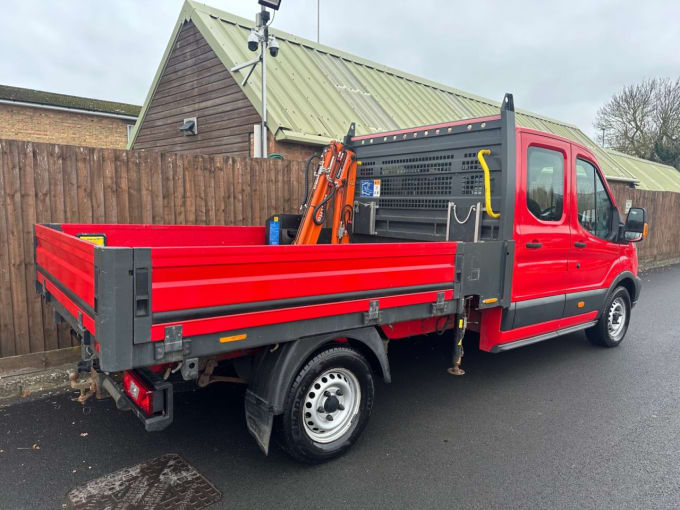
x=487 y=183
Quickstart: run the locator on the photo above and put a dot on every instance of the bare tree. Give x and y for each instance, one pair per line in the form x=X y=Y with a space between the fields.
x=643 y=120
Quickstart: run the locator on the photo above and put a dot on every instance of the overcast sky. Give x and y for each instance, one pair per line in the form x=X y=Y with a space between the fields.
x=562 y=59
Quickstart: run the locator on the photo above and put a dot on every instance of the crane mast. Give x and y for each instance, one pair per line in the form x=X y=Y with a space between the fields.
x=333 y=186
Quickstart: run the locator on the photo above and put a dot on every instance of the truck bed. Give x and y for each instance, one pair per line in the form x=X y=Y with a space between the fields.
x=154 y=294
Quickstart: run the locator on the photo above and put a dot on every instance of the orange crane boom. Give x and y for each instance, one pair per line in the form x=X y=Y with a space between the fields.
x=334 y=184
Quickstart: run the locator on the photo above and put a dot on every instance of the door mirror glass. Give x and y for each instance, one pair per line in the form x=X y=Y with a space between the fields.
x=636 y=225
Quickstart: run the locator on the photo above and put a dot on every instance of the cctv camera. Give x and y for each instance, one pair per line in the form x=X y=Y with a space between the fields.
x=273 y=46
x=253 y=41
x=272 y=4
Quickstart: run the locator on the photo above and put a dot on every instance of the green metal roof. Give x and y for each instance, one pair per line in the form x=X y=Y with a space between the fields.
x=315 y=91
x=43 y=98
x=652 y=176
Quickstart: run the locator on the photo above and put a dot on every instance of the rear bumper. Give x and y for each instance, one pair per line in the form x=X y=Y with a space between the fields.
x=124 y=403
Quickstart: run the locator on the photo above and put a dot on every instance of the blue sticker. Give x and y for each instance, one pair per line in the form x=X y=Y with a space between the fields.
x=367 y=188
x=274 y=231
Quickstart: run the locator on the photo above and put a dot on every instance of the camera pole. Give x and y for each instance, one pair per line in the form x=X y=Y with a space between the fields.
x=264 y=17
x=259 y=38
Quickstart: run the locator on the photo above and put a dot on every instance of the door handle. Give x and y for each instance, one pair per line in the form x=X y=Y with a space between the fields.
x=580 y=244
x=534 y=245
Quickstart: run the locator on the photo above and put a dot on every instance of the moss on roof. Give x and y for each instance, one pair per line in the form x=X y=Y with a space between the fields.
x=64 y=101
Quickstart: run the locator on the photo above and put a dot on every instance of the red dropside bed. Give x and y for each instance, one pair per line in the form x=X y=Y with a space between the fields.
x=154 y=292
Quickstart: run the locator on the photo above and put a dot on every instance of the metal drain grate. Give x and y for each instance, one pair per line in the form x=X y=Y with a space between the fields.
x=161 y=483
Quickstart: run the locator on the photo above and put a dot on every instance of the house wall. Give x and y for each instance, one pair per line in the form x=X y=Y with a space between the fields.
x=55 y=126
x=195 y=83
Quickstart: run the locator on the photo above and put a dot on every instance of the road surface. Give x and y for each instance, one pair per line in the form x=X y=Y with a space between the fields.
x=561 y=424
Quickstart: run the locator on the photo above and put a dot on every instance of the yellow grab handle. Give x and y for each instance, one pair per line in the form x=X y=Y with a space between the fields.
x=487 y=183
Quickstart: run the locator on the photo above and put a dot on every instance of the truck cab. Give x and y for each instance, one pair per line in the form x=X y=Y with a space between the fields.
x=569 y=250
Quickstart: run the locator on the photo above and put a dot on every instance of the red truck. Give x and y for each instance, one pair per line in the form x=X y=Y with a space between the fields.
x=469 y=225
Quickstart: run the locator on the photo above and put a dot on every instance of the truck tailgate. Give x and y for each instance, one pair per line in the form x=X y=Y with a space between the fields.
x=65 y=270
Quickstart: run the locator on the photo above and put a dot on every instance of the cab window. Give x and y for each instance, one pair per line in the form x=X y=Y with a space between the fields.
x=545 y=183
x=595 y=208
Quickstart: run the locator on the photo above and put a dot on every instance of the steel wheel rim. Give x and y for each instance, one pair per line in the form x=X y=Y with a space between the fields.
x=336 y=393
x=616 y=319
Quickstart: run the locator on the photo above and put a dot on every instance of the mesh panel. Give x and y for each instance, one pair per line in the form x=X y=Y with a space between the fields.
x=366 y=169
x=412 y=203
x=409 y=180
x=417 y=186
x=473 y=184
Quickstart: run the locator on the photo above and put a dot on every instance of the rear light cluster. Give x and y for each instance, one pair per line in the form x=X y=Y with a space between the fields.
x=141 y=393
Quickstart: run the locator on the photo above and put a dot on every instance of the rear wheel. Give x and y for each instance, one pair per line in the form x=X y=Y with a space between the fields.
x=327 y=406
x=612 y=326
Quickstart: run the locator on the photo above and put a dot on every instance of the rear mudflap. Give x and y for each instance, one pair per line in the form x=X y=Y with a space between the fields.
x=260 y=420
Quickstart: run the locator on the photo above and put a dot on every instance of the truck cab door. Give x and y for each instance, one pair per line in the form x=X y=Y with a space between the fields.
x=594 y=249
x=542 y=231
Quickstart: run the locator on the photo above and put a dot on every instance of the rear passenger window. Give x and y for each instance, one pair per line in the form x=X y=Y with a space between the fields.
x=545 y=183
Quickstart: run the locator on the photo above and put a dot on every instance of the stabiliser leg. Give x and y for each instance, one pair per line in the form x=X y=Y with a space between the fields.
x=458 y=334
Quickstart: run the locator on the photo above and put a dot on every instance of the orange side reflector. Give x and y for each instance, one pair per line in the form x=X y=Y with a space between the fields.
x=581 y=304
x=490 y=300
x=233 y=338
x=645 y=231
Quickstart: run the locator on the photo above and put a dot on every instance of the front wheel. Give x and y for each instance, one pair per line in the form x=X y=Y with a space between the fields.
x=327 y=406
x=612 y=326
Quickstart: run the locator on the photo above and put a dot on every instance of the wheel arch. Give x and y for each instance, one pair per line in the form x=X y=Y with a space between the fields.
x=275 y=369
x=630 y=282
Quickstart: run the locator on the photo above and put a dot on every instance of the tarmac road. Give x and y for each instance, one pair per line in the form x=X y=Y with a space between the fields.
x=561 y=424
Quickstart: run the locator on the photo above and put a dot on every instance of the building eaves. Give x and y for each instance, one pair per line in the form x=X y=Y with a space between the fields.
x=40 y=97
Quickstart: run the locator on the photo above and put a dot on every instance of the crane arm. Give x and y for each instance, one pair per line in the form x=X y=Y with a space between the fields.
x=334 y=185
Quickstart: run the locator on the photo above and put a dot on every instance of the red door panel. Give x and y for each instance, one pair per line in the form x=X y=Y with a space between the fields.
x=593 y=252
x=542 y=231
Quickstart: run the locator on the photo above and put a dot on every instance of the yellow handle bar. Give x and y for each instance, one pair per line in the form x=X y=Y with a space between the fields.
x=487 y=183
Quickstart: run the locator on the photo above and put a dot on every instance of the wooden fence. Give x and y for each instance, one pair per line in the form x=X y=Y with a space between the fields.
x=662 y=245
x=41 y=183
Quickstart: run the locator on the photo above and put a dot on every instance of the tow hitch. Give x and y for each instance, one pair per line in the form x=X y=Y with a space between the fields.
x=88 y=387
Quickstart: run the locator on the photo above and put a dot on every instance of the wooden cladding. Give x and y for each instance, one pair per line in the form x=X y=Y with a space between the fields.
x=45 y=183
x=195 y=83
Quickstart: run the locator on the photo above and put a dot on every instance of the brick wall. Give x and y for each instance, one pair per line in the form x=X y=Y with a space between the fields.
x=291 y=151
x=69 y=128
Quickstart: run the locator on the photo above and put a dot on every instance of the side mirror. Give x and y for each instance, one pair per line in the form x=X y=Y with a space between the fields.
x=636 y=226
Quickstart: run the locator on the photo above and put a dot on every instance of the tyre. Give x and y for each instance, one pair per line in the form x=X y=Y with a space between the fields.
x=327 y=407
x=613 y=323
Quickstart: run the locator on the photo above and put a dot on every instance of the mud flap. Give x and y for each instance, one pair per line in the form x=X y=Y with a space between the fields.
x=260 y=419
